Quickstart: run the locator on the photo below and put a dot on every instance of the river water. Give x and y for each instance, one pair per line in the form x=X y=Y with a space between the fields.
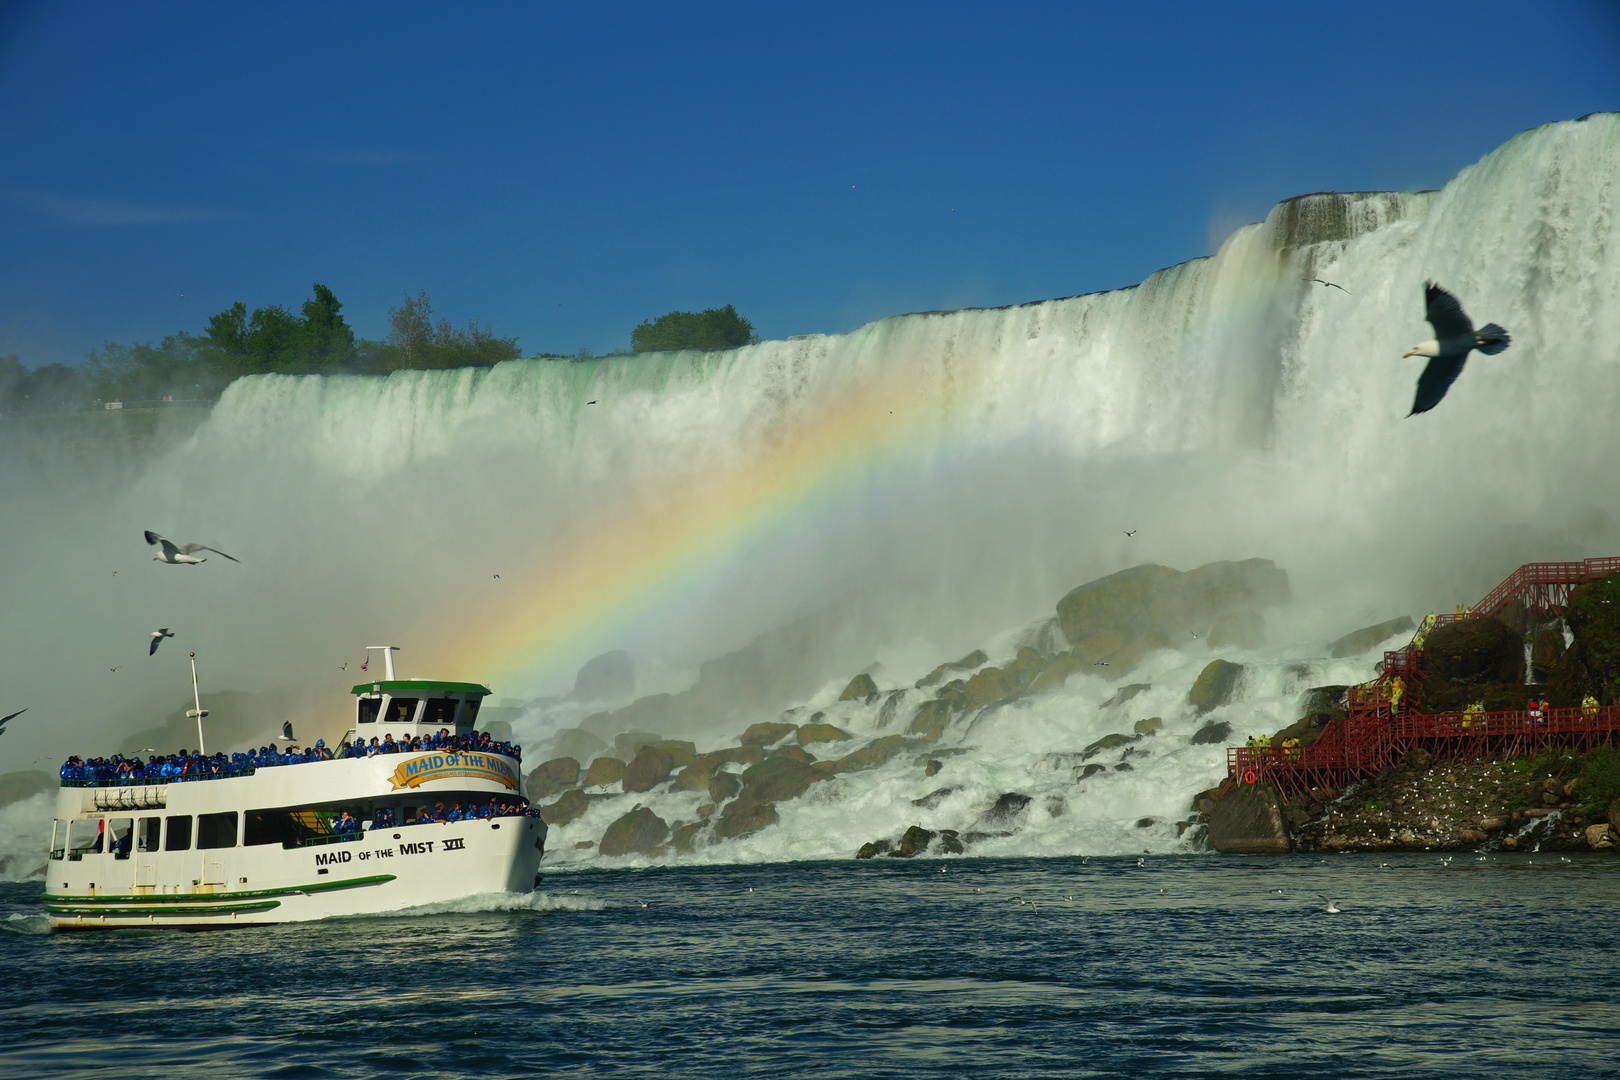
x=1184 y=966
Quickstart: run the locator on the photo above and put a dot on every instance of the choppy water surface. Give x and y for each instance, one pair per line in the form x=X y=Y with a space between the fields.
x=1188 y=966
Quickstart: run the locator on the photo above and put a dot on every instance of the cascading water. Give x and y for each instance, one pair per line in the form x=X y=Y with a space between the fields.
x=930 y=480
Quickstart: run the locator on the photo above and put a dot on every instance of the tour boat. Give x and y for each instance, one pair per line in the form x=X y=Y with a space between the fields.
x=278 y=843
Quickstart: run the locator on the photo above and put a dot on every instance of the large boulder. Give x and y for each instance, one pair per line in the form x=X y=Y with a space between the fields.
x=552 y=776
x=767 y=733
x=609 y=677
x=915 y=841
x=1545 y=652
x=875 y=753
x=572 y=804
x=651 y=767
x=604 y=771
x=695 y=777
x=1359 y=641
x=1214 y=685
x=1108 y=742
x=723 y=785
x=976 y=658
x=680 y=751
x=814 y=733
x=860 y=687
x=1057 y=673
x=778 y=778
x=930 y=720
x=1211 y=733
x=640 y=832
x=1248 y=820
x=1592 y=663
x=744 y=816
x=1199 y=597
x=577 y=743
x=627 y=744
x=1111 y=602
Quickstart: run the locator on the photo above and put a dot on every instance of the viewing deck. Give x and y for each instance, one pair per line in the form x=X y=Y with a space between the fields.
x=1377 y=730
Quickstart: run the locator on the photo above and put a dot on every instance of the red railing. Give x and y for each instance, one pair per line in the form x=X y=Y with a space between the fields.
x=1376 y=728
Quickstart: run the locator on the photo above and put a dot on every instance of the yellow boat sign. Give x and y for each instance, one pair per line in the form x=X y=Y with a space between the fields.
x=419 y=770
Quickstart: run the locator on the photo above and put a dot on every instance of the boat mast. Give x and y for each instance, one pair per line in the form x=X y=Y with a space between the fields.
x=388 y=652
x=199 y=712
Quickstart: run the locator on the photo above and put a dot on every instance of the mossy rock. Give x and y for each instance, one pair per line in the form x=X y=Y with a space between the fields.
x=797 y=753
x=639 y=832
x=1215 y=685
x=1124 y=661
x=1545 y=652
x=1471 y=660
x=1096 y=648
x=1108 y=742
x=778 y=778
x=814 y=733
x=1125 y=693
x=952 y=692
x=987 y=686
x=1211 y=733
x=1592 y=664
x=1091 y=770
x=1149 y=726
x=1200 y=597
x=695 y=777
x=1056 y=674
x=604 y=771
x=931 y=720
x=683 y=838
x=577 y=743
x=767 y=732
x=860 y=686
x=572 y=804
x=1359 y=641
x=1238 y=629
x=562 y=770
x=875 y=753
x=538 y=787
x=724 y=785
x=651 y=767
x=627 y=744
x=915 y=841
x=744 y=816
x=681 y=752
x=1110 y=603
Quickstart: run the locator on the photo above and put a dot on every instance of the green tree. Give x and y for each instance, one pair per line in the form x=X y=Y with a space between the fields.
x=712 y=328
x=414 y=341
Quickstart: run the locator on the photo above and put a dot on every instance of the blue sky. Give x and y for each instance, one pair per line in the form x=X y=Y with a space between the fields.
x=562 y=173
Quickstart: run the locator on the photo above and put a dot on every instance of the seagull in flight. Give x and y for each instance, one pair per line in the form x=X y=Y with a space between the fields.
x=343 y=666
x=497 y=577
x=5 y=719
x=1331 y=285
x=1332 y=908
x=119 y=666
x=157 y=639
x=1100 y=663
x=1131 y=532
x=1454 y=336
x=182 y=554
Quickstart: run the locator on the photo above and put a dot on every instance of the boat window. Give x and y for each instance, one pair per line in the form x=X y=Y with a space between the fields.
x=82 y=835
x=368 y=709
x=402 y=710
x=470 y=713
x=146 y=838
x=59 y=837
x=216 y=830
x=273 y=827
x=440 y=712
x=119 y=835
x=179 y=833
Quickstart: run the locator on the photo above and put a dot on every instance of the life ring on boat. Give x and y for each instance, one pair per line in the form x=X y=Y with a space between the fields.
x=1248 y=778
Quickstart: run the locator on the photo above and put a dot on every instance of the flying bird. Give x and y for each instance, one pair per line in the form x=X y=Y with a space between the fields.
x=1331 y=285
x=5 y=719
x=497 y=577
x=1332 y=908
x=157 y=639
x=1454 y=336
x=344 y=666
x=1130 y=532
x=182 y=554
x=590 y=403
x=116 y=668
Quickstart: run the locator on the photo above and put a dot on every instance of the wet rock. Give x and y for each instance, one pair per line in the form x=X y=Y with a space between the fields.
x=584 y=845
x=874 y=848
x=932 y=767
x=684 y=837
x=931 y=720
x=1057 y=673
x=795 y=753
x=744 y=816
x=1417 y=759
x=1108 y=742
x=1125 y=693
x=814 y=733
x=1149 y=726
x=875 y=753
x=537 y=787
x=891 y=706
x=640 y=832
x=577 y=743
x=651 y=767
x=723 y=786
x=1592 y=664
x=767 y=733
x=1091 y=770
x=1124 y=766
x=1211 y=733
x=609 y=677
x=572 y=804
x=1359 y=641
x=695 y=777
x=915 y=841
x=1214 y=685
x=1146 y=823
x=950 y=843
x=861 y=686
x=1248 y=820
x=1238 y=629
x=561 y=770
x=1111 y=602
x=627 y=744
x=706 y=810
x=989 y=685
x=974 y=659
x=1545 y=653
x=778 y=778
x=604 y=771
x=1473 y=660
x=1599 y=837
x=1009 y=809
x=934 y=798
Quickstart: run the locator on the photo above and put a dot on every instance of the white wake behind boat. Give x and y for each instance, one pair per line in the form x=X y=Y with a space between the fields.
x=273 y=845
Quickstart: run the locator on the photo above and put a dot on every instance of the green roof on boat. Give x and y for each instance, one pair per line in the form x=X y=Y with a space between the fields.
x=419 y=687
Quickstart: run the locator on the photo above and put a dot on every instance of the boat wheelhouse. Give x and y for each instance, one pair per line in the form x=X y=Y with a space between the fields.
x=432 y=812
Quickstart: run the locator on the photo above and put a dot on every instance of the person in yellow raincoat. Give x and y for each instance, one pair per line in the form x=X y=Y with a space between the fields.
x=1397 y=690
x=1474 y=714
x=1589 y=707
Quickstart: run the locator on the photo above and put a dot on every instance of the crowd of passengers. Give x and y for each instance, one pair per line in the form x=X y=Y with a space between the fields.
x=384 y=818
x=121 y=770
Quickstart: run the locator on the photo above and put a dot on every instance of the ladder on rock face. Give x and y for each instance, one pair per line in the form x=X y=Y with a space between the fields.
x=1376 y=729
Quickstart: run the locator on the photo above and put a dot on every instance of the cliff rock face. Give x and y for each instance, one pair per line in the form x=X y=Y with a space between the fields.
x=1248 y=820
x=1473 y=660
x=1592 y=664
